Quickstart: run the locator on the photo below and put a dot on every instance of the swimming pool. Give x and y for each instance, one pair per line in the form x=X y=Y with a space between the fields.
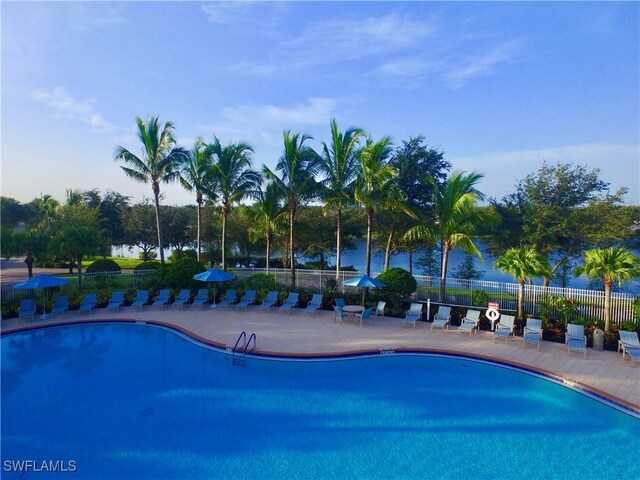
x=137 y=401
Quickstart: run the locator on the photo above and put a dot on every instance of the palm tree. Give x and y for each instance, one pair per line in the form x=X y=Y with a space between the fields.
x=374 y=184
x=523 y=263
x=298 y=166
x=613 y=264
x=159 y=161
x=232 y=178
x=266 y=213
x=339 y=165
x=456 y=219
x=194 y=177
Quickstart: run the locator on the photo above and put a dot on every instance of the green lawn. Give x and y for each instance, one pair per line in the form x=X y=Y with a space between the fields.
x=125 y=263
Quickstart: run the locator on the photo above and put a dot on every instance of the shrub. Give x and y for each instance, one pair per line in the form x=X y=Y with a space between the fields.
x=150 y=255
x=260 y=281
x=103 y=265
x=150 y=265
x=180 y=274
x=479 y=298
x=180 y=254
x=400 y=285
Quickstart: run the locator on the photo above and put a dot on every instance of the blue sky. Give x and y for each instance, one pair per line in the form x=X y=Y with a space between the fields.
x=500 y=87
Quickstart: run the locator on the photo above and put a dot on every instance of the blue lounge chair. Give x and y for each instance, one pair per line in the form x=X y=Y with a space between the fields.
x=575 y=339
x=413 y=315
x=339 y=315
x=532 y=332
x=470 y=322
x=504 y=328
x=364 y=316
x=270 y=300
x=141 y=299
x=340 y=302
x=629 y=344
x=442 y=318
x=162 y=299
x=27 y=308
x=248 y=299
x=116 y=302
x=228 y=299
x=290 y=302
x=183 y=298
x=314 y=304
x=60 y=305
x=89 y=302
x=201 y=298
x=379 y=310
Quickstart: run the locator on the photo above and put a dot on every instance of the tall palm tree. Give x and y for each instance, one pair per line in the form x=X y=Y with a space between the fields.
x=232 y=178
x=456 y=219
x=374 y=184
x=158 y=163
x=613 y=264
x=266 y=213
x=523 y=263
x=194 y=177
x=339 y=166
x=298 y=166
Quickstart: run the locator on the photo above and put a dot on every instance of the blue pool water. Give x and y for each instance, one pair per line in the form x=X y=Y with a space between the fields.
x=137 y=401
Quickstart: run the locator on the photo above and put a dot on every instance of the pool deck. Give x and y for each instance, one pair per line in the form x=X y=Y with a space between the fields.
x=301 y=334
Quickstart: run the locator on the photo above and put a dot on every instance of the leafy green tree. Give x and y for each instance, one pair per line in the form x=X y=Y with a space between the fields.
x=338 y=164
x=267 y=213
x=12 y=212
x=314 y=234
x=112 y=209
x=158 y=164
x=523 y=263
x=177 y=225
x=140 y=229
x=9 y=244
x=456 y=219
x=232 y=178
x=35 y=247
x=298 y=166
x=467 y=269
x=613 y=264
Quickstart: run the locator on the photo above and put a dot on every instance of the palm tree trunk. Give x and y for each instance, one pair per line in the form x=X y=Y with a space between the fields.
x=292 y=213
x=156 y=197
x=199 y=210
x=369 y=235
x=29 y=261
x=410 y=251
x=225 y=212
x=521 y=298
x=387 y=253
x=268 y=235
x=339 y=244
x=607 y=304
x=443 y=273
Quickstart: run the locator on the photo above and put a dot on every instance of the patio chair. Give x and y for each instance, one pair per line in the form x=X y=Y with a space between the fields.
x=89 y=302
x=27 y=308
x=270 y=300
x=379 y=310
x=470 y=322
x=229 y=298
x=365 y=315
x=201 y=298
x=290 y=302
x=575 y=339
x=532 y=332
x=116 y=302
x=60 y=305
x=162 y=299
x=314 y=304
x=338 y=315
x=442 y=318
x=629 y=344
x=248 y=299
x=504 y=328
x=142 y=297
x=183 y=298
x=340 y=302
x=413 y=315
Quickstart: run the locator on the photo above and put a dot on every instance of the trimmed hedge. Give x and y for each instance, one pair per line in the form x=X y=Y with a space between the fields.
x=103 y=265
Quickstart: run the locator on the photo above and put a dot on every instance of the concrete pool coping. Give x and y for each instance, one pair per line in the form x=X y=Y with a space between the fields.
x=602 y=374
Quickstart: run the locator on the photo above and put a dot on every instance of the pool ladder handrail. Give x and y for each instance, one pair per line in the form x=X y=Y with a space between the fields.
x=243 y=349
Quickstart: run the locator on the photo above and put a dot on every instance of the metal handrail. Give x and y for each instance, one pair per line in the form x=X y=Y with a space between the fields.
x=252 y=336
x=242 y=335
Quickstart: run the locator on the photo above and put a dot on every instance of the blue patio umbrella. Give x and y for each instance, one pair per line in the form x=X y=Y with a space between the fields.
x=214 y=275
x=363 y=281
x=41 y=281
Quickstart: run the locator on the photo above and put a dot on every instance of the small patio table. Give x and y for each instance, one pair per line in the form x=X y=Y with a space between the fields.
x=351 y=310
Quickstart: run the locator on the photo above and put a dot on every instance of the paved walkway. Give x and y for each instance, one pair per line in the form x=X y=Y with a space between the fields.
x=605 y=373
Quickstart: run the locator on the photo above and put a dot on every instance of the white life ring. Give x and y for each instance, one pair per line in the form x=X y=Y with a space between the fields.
x=492 y=314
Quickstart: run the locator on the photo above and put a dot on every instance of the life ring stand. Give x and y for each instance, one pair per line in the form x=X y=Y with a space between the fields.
x=492 y=314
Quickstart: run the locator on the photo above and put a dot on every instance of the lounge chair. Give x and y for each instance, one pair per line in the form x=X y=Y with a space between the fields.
x=270 y=300
x=532 y=332
x=290 y=302
x=89 y=302
x=314 y=304
x=629 y=344
x=201 y=298
x=162 y=299
x=228 y=299
x=442 y=318
x=413 y=315
x=248 y=299
x=116 y=302
x=27 y=308
x=183 y=298
x=365 y=315
x=470 y=322
x=340 y=302
x=338 y=315
x=575 y=339
x=60 y=305
x=141 y=299
x=379 y=310
x=504 y=328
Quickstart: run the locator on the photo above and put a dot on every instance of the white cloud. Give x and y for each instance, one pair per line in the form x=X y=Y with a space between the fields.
x=90 y=15
x=252 y=18
x=67 y=107
x=480 y=64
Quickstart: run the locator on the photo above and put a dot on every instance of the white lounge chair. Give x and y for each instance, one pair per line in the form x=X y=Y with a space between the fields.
x=442 y=318
x=290 y=302
x=413 y=315
x=182 y=299
x=629 y=344
x=89 y=302
x=142 y=297
x=60 y=305
x=504 y=328
x=162 y=299
x=270 y=300
x=314 y=304
x=532 y=332
x=248 y=299
x=228 y=299
x=470 y=322
x=575 y=339
x=201 y=298
x=117 y=299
